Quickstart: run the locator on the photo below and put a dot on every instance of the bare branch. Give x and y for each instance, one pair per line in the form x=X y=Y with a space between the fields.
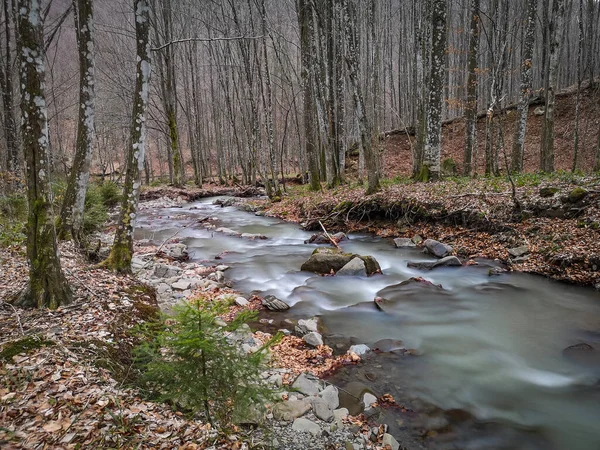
x=179 y=41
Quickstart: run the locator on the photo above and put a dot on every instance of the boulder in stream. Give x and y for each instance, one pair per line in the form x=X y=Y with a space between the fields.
x=355 y=268
x=437 y=248
x=404 y=243
x=274 y=304
x=329 y=260
x=227 y=231
x=411 y=289
x=448 y=261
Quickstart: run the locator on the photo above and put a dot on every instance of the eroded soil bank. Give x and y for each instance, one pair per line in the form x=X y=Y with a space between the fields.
x=557 y=220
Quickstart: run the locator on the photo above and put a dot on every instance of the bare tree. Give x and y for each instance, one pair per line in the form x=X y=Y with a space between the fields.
x=71 y=216
x=471 y=105
x=122 y=249
x=433 y=141
x=526 y=87
x=6 y=85
x=365 y=127
x=305 y=13
x=47 y=285
x=555 y=37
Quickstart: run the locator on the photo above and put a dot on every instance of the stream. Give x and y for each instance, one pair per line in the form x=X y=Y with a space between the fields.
x=486 y=369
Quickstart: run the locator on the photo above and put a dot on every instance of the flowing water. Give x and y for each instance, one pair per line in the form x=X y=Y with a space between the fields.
x=490 y=348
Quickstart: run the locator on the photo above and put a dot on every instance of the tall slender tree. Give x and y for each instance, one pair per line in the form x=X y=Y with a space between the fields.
x=433 y=141
x=364 y=125
x=122 y=249
x=6 y=86
x=305 y=21
x=471 y=104
x=555 y=37
x=72 y=211
x=526 y=87
x=47 y=285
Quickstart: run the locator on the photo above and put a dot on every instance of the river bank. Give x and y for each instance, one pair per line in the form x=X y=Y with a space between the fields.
x=556 y=223
x=67 y=371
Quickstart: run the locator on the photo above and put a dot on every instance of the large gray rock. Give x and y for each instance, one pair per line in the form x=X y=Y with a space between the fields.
x=339 y=415
x=388 y=439
x=306 y=426
x=448 y=261
x=290 y=410
x=181 y=285
x=329 y=260
x=360 y=349
x=331 y=396
x=355 y=268
x=518 y=251
x=313 y=339
x=326 y=260
x=227 y=231
x=404 y=242
x=274 y=304
x=307 y=384
x=321 y=409
x=306 y=326
x=166 y=271
x=437 y=248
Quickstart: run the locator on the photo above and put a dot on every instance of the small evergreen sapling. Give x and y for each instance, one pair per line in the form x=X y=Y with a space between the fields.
x=190 y=362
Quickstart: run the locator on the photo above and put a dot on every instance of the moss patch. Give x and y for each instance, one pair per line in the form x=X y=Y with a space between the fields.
x=24 y=345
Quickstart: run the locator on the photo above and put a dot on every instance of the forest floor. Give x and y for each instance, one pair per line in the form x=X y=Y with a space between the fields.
x=68 y=375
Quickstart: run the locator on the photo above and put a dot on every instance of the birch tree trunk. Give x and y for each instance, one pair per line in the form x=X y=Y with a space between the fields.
x=6 y=86
x=305 y=12
x=268 y=105
x=122 y=249
x=526 y=86
x=555 y=35
x=579 y=80
x=471 y=106
x=47 y=285
x=365 y=128
x=432 y=151
x=71 y=215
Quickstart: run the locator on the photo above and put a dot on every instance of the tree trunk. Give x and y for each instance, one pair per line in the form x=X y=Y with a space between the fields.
x=555 y=35
x=305 y=12
x=433 y=141
x=526 y=82
x=71 y=215
x=6 y=85
x=471 y=106
x=47 y=284
x=579 y=80
x=122 y=249
x=365 y=128
x=268 y=105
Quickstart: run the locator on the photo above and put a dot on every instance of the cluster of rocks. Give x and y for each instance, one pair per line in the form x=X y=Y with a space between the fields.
x=432 y=247
x=310 y=417
x=162 y=202
x=229 y=232
x=326 y=261
x=175 y=279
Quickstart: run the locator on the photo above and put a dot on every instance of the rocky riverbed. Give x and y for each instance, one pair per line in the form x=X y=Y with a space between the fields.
x=309 y=414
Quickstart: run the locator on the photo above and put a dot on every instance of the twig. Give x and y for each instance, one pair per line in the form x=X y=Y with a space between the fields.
x=18 y=318
x=329 y=237
x=178 y=41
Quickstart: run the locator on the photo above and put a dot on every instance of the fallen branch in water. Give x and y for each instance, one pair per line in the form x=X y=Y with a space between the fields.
x=333 y=241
